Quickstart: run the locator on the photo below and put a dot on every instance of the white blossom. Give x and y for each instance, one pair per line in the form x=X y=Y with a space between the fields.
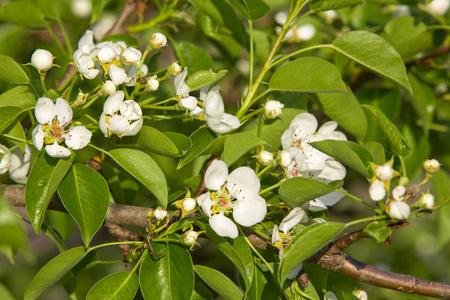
x=131 y=55
x=294 y=217
x=398 y=193
x=361 y=294
x=426 y=201
x=190 y=237
x=117 y=74
x=108 y=87
x=265 y=157
x=174 y=69
x=42 y=60
x=189 y=204
x=399 y=210
x=377 y=190
x=431 y=166
x=305 y=32
x=81 y=8
x=20 y=164
x=439 y=7
x=152 y=84
x=272 y=109
x=6 y=159
x=384 y=172
x=160 y=213
x=159 y=40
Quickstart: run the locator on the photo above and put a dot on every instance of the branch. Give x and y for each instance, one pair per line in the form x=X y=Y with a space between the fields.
x=330 y=257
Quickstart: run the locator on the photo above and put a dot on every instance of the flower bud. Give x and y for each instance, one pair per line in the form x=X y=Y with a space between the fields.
x=160 y=214
x=189 y=204
x=42 y=60
x=81 y=99
x=273 y=108
x=403 y=181
x=265 y=157
x=439 y=7
x=174 y=69
x=361 y=294
x=132 y=55
x=398 y=193
x=108 y=87
x=190 y=237
x=159 y=40
x=152 y=84
x=384 y=172
x=398 y=210
x=377 y=191
x=431 y=166
x=106 y=54
x=285 y=158
x=306 y=32
x=5 y=161
x=329 y=296
x=427 y=201
x=81 y=8
x=189 y=103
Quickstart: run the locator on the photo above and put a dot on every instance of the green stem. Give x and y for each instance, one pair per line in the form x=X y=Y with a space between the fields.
x=163 y=16
x=55 y=38
x=402 y=162
x=136 y=266
x=248 y=116
x=256 y=251
x=271 y=187
x=366 y=220
x=116 y=243
x=42 y=77
x=251 y=61
x=66 y=36
x=166 y=240
x=68 y=81
x=147 y=101
x=357 y=199
x=268 y=167
x=276 y=62
x=13 y=138
x=174 y=107
x=99 y=149
x=302 y=293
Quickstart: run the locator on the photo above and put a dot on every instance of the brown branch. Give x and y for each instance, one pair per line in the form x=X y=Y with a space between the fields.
x=330 y=257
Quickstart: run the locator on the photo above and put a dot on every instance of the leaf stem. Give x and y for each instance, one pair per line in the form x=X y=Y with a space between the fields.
x=251 y=61
x=357 y=199
x=382 y=217
x=116 y=243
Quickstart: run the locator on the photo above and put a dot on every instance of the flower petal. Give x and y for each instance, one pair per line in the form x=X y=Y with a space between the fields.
x=119 y=125
x=331 y=198
x=399 y=210
x=103 y=125
x=287 y=138
x=38 y=136
x=315 y=205
x=20 y=164
x=294 y=272
x=223 y=226
x=205 y=202
x=135 y=127
x=231 y=120
x=181 y=89
x=216 y=175
x=305 y=125
x=131 y=110
x=243 y=181
x=275 y=234
x=78 y=137
x=377 y=191
x=5 y=161
x=189 y=103
x=293 y=218
x=56 y=150
x=117 y=74
x=213 y=104
x=63 y=111
x=327 y=128
x=113 y=102
x=45 y=110
x=250 y=210
x=398 y=193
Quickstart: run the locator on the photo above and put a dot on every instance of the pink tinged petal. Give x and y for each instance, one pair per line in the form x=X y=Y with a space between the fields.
x=78 y=137
x=331 y=198
x=249 y=211
x=305 y=125
x=223 y=226
x=189 y=103
x=275 y=235
x=119 y=125
x=216 y=175
x=181 y=89
x=103 y=125
x=398 y=193
x=38 y=136
x=377 y=191
x=293 y=218
x=294 y=272
x=131 y=110
x=213 y=104
x=45 y=110
x=63 y=111
x=399 y=210
x=56 y=150
x=205 y=202
x=135 y=127
x=117 y=74
x=243 y=181
x=113 y=102
x=20 y=164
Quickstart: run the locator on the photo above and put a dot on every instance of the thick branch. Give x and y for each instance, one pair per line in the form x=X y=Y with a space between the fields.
x=330 y=257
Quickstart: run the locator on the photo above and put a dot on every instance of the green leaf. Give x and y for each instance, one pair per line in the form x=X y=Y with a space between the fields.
x=194 y=57
x=251 y=9
x=318 y=277
x=22 y=12
x=307 y=75
x=349 y=153
x=218 y=282
x=4 y=293
x=398 y=142
x=203 y=78
x=122 y=186
x=305 y=244
x=346 y=110
x=142 y=167
x=377 y=152
x=85 y=195
x=320 y=5
x=204 y=141
x=116 y=286
x=11 y=232
x=378 y=231
x=423 y=101
x=12 y=72
x=20 y=96
x=373 y=52
x=170 y=276
x=349 y=296
x=128 y=39
x=97 y=8
x=264 y=286
x=237 y=145
x=43 y=180
x=200 y=292
x=296 y=191
x=9 y=115
x=169 y=144
x=53 y=271
x=420 y=149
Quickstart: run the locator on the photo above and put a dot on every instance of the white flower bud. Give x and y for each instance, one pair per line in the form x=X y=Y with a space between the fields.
x=377 y=191
x=174 y=69
x=398 y=210
x=439 y=7
x=403 y=181
x=330 y=15
x=431 y=166
x=108 y=87
x=106 y=54
x=427 y=201
x=5 y=161
x=329 y=296
x=384 y=172
x=189 y=103
x=152 y=84
x=281 y=17
x=159 y=40
x=398 y=193
x=285 y=158
x=117 y=74
x=81 y=8
x=361 y=294
x=190 y=237
x=160 y=214
x=265 y=157
x=273 y=108
x=306 y=32
x=132 y=55
x=189 y=204
x=42 y=60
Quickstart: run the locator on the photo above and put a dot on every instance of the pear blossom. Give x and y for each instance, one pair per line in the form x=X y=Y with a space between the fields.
x=108 y=87
x=159 y=40
x=55 y=127
x=6 y=159
x=384 y=172
x=120 y=117
x=182 y=92
x=132 y=75
x=189 y=204
x=272 y=109
x=42 y=60
x=398 y=193
x=83 y=58
x=117 y=74
x=426 y=201
x=236 y=192
x=431 y=166
x=152 y=84
x=174 y=69
x=160 y=213
x=439 y=7
x=377 y=190
x=398 y=210
x=131 y=55
x=190 y=237
x=265 y=157
x=81 y=8
x=305 y=32
x=330 y=15
x=20 y=164
x=296 y=33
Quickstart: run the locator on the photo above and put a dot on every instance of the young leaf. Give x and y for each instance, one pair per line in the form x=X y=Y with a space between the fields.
x=349 y=153
x=373 y=52
x=377 y=152
x=305 y=244
x=320 y=5
x=218 y=282
x=296 y=191
x=97 y=7
x=85 y=195
x=237 y=145
x=398 y=142
x=142 y=167
x=203 y=78
x=22 y=12
x=200 y=292
x=378 y=231
x=169 y=144
x=43 y=180
x=307 y=75
x=116 y=286
x=53 y=271
x=251 y=9
x=264 y=286
x=194 y=57
x=170 y=276
x=20 y=96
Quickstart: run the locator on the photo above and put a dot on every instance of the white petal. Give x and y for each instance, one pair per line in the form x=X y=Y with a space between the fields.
x=275 y=235
x=327 y=128
x=103 y=125
x=231 y=120
x=113 y=102
x=132 y=55
x=197 y=111
x=243 y=181
x=189 y=103
x=333 y=170
x=86 y=40
x=20 y=164
x=287 y=138
x=218 y=126
x=45 y=110
x=78 y=137
x=306 y=32
x=216 y=175
x=399 y=210
x=331 y=198
x=56 y=150
x=119 y=125
x=205 y=202
x=294 y=272
x=250 y=210
x=384 y=172
x=305 y=125
x=63 y=111
x=181 y=89
x=213 y=104
x=293 y=218
x=38 y=136
x=131 y=110
x=135 y=127
x=398 y=193
x=315 y=205
x=5 y=161
x=106 y=54
x=377 y=191
x=223 y=226
x=91 y=73
x=117 y=74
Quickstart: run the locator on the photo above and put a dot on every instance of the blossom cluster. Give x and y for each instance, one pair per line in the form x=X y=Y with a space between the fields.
x=16 y=163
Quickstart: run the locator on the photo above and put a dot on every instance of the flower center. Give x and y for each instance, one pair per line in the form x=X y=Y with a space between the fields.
x=54 y=132
x=223 y=201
